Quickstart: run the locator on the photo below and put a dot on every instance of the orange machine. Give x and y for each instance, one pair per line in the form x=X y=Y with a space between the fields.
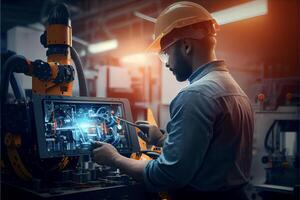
x=53 y=77
x=58 y=39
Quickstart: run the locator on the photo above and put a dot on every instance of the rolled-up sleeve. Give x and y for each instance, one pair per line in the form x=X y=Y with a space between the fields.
x=189 y=133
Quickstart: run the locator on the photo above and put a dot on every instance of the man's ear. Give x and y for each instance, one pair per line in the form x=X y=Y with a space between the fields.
x=187 y=44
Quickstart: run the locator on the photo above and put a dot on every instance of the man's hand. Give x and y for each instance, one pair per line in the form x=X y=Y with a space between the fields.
x=155 y=136
x=105 y=154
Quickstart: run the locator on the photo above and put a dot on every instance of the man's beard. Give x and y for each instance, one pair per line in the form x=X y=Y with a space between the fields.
x=182 y=68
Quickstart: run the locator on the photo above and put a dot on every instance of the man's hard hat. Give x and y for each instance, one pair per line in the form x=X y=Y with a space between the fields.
x=178 y=15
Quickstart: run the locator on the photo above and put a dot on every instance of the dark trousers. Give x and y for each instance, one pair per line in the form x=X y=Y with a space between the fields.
x=234 y=194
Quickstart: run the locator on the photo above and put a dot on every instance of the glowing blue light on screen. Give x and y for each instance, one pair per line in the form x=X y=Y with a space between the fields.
x=84 y=125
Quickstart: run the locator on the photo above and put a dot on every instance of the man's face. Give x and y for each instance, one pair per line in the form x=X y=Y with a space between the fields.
x=179 y=62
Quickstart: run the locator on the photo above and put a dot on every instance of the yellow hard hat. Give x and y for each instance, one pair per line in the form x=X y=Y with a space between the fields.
x=177 y=15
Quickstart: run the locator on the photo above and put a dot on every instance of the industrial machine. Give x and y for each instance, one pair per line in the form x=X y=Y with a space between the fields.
x=47 y=136
x=276 y=142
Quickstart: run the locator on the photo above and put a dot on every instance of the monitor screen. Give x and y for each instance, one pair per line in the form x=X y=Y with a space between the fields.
x=70 y=127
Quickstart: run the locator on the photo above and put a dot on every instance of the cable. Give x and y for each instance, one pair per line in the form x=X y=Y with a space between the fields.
x=15 y=84
x=13 y=64
x=83 y=91
x=271 y=129
x=17 y=89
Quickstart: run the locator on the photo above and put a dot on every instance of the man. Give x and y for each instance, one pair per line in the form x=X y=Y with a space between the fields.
x=208 y=144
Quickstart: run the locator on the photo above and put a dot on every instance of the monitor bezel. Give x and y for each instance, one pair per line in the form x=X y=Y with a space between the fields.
x=38 y=106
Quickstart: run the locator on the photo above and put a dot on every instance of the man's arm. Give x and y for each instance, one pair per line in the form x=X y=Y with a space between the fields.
x=134 y=168
x=106 y=154
x=189 y=135
x=188 y=138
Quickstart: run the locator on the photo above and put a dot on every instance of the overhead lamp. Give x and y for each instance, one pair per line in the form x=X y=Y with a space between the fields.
x=241 y=12
x=135 y=58
x=103 y=46
x=139 y=59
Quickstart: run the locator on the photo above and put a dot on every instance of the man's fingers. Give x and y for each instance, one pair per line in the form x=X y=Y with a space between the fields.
x=95 y=144
x=97 y=148
x=142 y=135
x=95 y=151
x=99 y=143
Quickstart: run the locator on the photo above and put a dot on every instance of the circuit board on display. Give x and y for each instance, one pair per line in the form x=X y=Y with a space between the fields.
x=71 y=126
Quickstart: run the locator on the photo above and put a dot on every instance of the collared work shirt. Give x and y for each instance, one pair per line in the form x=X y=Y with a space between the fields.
x=209 y=142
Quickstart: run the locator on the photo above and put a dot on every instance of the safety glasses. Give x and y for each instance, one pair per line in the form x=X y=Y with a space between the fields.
x=163 y=55
x=177 y=35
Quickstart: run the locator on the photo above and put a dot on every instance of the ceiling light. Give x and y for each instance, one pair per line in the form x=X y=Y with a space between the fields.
x=241 y=12
x=103 y=46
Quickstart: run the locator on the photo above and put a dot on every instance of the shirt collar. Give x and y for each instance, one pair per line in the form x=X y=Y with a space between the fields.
x=217 y=65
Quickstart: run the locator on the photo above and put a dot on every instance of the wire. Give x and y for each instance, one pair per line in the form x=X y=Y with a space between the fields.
x=15 y=63
x=15 y=84
x=271 y=129
x=83 y=90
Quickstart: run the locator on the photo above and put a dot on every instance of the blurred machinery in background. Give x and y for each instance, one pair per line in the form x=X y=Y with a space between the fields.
x=276 y=145
x=282 y=160
x=135 y=83
x=47 y=136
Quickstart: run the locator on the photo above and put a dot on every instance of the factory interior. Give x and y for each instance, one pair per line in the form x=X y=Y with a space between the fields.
x=90 y=108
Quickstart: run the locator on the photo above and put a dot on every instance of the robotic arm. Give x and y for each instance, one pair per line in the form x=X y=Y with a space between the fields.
x=55 y=76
